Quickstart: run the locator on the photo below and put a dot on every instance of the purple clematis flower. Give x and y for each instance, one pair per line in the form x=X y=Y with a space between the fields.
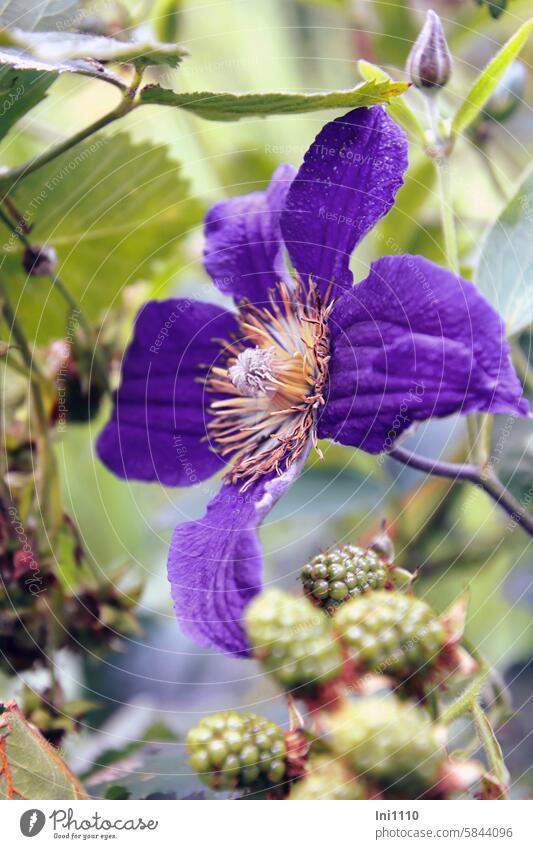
x=304 y=356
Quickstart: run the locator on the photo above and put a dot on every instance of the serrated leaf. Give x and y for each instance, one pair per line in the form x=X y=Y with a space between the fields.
x=59 y=47
x=504 y=271
x=398 y=109
x=225 y=106
x=111 y=209
x=30 y=768
x=47 y=14
x=42 y=73
x=20 y=91
x=489 y=78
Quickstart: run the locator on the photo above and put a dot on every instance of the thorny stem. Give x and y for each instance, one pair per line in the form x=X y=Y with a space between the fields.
x=463 y=704
x=490 y=744
x=72 y=303
x=485 y=479
x=48 y=479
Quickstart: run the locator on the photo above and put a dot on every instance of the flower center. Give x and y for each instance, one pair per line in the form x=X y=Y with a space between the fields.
x=272 y=383
x=252 y=374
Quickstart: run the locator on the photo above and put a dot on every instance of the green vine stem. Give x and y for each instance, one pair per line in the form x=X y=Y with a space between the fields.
x=522 y=366
x=440 y=149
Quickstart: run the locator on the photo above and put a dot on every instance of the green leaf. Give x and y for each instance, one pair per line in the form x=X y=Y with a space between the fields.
x=112 y=210
x=33 y=73
x=224 y=106
x=30 y=768
x=487 y=81
x=58 y=47
x=20 y=91
x=504 y=272
x=398 y=108
x=48 y=14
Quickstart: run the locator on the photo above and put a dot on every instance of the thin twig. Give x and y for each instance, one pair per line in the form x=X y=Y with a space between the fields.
x=128 y=102
x=484 y=479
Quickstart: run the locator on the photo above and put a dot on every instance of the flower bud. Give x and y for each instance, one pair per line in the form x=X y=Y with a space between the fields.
x=429 y=63
x=40 y=260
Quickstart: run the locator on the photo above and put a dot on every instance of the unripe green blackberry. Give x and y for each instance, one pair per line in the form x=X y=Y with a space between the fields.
x=389 y=743
x=327 y=779
x=390 y=633
x=346 y=572
x=231 y=750
x=293 y=640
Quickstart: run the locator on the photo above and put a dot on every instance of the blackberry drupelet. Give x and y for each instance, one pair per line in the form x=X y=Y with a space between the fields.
x=293 y=640
x=391 y=633
x=327 y=778
x=390 y=743
x=230 y=751
x=348 y=571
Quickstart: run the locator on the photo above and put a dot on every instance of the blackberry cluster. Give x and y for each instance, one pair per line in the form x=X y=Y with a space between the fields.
x=346 y=572
x=389 y=743
x=327 y=778
x=391 y=633
x=232 y=751
x=293 y=640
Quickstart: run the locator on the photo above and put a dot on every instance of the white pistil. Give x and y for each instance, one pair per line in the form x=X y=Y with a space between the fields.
x=253 y=373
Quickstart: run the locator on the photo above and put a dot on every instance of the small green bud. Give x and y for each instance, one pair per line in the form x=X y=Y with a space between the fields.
x=429 y=63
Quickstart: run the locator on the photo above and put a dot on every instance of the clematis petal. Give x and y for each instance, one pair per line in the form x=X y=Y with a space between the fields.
x=243 y=249
x=411 y=342
x=348 y=181
x=215 y=563
x=157 y=430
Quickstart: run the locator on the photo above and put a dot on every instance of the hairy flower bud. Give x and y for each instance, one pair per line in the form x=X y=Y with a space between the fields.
x=429 y=63
x=40 y=260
